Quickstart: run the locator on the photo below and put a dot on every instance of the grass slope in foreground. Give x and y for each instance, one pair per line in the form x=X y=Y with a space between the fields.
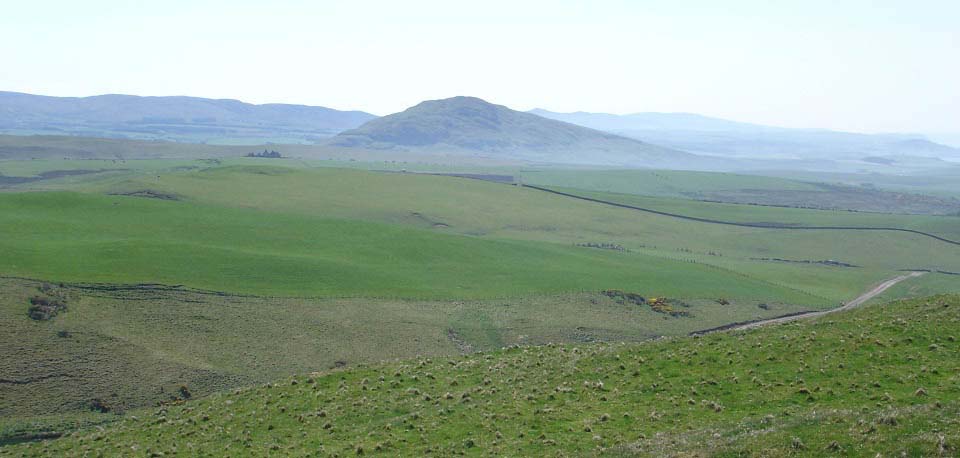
x=876 y=380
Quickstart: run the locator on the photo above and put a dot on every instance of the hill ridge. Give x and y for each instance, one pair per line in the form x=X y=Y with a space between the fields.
x=706 y=134
x=182 y=117
x=472 y=126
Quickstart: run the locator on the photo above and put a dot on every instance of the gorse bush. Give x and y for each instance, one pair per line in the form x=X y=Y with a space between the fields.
x=48 y=305
x=45 y=308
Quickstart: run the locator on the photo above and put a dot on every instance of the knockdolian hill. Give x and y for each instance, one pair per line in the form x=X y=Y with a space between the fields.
x=474 y=127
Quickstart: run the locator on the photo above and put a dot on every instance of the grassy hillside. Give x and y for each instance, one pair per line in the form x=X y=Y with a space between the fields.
x=444 y=205
x=877 y=380
x=929 y=284
x=661 y=183
x=346 y=267
x=487 y=213
x=941 y=225
x=126 y=239
x=487 y=210
x=96 y=153
x=62 y=146
x=746 y=189
x=943 y=181
x=121 y=348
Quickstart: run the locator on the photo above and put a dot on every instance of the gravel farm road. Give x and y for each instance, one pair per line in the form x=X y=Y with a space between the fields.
x=858 y=301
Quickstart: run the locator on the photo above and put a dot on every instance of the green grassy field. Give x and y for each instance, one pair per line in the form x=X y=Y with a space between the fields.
x=944 y=226
x=752 y=189
x=927 y=285
x=222 y=207
x=67 y=148
x=662 y=183
x=877 y=380
x=943 y=182
x=478 y=208
x=623 y=187
x=32 y=168
x=352 y=266
x=120 y=239
x=37 y=167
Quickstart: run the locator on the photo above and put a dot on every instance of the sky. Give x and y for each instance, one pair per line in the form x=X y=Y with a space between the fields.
x=855 y=65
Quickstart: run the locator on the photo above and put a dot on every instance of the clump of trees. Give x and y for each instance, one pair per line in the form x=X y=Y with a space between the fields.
x=267 y=154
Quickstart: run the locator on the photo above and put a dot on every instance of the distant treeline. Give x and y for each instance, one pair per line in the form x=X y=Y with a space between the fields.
x=265 y=153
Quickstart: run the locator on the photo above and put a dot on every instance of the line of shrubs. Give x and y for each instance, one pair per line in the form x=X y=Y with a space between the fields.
x=267 y=154
x=603 y=246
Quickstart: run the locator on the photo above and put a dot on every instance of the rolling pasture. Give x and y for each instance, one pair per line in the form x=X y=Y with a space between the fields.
x=731 y=188
x=337 y=232
x=943 y=181
x=292 y=266
x=943 y=226
x=660 y=183
x=128 y=239
x=494 y=211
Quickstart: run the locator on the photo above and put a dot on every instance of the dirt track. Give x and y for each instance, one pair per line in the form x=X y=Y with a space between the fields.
x=858 y=301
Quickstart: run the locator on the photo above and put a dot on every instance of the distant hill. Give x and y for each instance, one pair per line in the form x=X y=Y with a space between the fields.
x=650 y=121
x=706 y=135
x=190 y=119
x=471 y=126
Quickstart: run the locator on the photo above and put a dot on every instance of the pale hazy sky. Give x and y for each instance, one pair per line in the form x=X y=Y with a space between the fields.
x=855 y=65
